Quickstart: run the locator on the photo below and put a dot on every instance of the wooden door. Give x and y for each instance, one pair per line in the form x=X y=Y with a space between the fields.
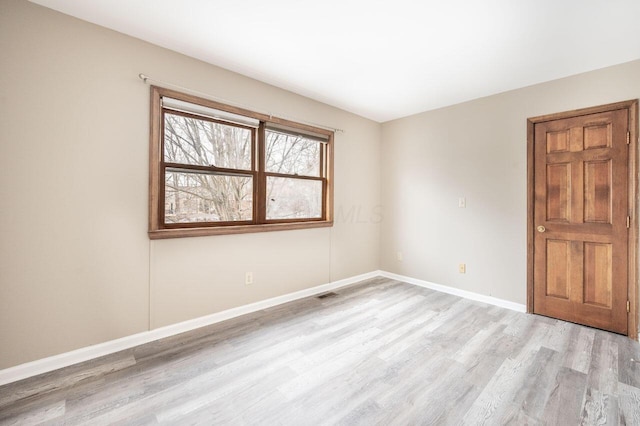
x=581 y=213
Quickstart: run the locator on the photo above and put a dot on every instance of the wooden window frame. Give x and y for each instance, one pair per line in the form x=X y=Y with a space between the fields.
x=158 y=229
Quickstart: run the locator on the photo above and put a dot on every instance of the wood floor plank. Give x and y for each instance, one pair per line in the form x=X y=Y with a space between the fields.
x=482 y=369
x=514 y=416
x=564 y=404
x=603 y=369
x=57 y=380
x=443 y=396
x=599 y=408
x=628 y=363
x=33 y=414
x=496 y=396
x=380 y=352
x=539 y=383
x=341 y=395
x=629 y=404
x=469 y=351
x=579 y=350
x=556 y=338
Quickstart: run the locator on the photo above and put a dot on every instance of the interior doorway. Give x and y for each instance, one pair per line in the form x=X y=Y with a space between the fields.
x=582 y=229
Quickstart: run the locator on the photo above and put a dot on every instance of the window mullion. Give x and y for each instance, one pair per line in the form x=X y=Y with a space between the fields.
x=260 y=189
x=324 y=173
x=322 y=159
x=160 y=185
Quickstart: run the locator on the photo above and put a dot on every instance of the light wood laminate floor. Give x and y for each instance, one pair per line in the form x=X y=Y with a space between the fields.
x=376 y=353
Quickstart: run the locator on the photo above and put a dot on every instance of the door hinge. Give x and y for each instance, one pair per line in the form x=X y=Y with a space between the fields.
x=628 y=306
x=628 y=138
x=628 y=222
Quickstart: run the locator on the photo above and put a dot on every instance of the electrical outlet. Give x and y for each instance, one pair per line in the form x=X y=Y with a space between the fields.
x=399 y=256
x=462 y=268
x=248 y=278
x=462 y=202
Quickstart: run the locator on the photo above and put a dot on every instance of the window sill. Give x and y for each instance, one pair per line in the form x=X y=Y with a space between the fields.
x=160 y=234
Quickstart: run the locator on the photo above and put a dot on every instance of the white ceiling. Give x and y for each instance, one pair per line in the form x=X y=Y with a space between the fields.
x=383 y=59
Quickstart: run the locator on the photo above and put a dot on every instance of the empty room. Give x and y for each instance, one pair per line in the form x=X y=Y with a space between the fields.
x=319 y=213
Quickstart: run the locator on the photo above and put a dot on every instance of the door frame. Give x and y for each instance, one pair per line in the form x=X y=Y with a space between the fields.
x=632 y=296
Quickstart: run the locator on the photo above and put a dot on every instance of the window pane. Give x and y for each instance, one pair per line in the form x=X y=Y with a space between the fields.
x=292 y=155
x=290 y=198
x=192 y=141
x=196 y=197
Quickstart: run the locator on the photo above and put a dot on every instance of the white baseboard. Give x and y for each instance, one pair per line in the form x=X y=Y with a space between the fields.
x=66 y=359
x=457 y=292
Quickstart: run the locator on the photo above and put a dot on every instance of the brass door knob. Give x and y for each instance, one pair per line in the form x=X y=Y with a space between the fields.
x=541 y=228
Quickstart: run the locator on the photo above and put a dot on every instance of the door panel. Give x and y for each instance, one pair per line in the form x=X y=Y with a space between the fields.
x=558 y=141
x=580 y=208
x=597 y=136
x=598 y=274
x=558 y=268
x=597 y=194
x=558 y=192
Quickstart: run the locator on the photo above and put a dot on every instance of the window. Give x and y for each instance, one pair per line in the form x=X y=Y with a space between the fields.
x=217 y=169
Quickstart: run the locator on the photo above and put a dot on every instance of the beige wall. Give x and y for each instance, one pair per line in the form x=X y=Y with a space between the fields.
x=475 y=150
x=76 y=266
